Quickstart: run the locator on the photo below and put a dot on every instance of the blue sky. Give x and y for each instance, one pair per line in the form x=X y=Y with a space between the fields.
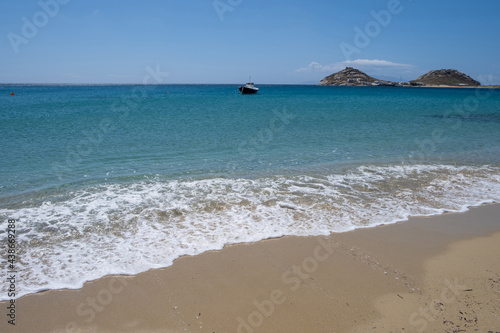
x=225 y=41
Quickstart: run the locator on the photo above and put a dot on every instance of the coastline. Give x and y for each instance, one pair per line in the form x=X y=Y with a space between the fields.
x=424 y=274
x=410 y=86
x=467 y=87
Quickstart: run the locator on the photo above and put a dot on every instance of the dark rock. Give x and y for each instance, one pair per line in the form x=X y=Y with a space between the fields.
x=348 y=77
x=445 y=77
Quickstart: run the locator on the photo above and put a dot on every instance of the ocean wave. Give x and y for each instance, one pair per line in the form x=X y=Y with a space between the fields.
x=127 y=228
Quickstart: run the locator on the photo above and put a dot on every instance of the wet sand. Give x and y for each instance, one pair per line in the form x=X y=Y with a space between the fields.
x=436 y=274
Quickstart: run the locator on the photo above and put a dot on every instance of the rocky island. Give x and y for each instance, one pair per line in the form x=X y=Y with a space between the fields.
x=348 y=77
x=436 y=78
x=445 y=77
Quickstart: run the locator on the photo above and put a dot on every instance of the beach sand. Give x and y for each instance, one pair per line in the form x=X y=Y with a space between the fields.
x=436 y=274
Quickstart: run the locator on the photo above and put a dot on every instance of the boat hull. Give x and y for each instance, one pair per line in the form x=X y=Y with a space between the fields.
x=246 y=90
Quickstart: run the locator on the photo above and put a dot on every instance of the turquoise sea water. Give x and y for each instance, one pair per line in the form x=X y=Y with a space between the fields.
x=120 y=179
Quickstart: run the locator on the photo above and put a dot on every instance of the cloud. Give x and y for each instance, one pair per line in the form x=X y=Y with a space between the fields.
x=365 y=64
x=375 y=63
x=314 y=67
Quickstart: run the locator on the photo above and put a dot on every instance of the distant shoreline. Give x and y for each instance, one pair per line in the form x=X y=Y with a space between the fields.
x=225 y=84
x=443 y=78
x=445 y=86
x=427 y=86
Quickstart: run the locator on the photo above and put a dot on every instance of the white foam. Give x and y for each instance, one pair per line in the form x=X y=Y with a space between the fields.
x=130 y=228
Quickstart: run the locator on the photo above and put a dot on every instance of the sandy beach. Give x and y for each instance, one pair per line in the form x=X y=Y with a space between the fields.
x=436 y=274
x=233 y=166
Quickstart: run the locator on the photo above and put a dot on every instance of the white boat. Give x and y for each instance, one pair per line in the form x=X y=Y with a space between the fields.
x=248 y=88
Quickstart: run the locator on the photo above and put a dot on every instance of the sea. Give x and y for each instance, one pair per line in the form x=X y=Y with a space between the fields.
x=120 y=179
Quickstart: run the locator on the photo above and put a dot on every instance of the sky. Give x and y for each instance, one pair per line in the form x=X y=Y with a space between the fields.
x=226 y=41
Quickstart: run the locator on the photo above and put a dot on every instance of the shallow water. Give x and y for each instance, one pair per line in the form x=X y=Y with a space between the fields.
x=120 y=179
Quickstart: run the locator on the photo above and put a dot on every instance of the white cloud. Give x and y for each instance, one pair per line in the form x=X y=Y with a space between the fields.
x=375 y=63
x=365 y=64
x=314 y=67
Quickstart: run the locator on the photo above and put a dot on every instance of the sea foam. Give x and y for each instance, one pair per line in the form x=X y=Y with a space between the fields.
x=127 y=228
